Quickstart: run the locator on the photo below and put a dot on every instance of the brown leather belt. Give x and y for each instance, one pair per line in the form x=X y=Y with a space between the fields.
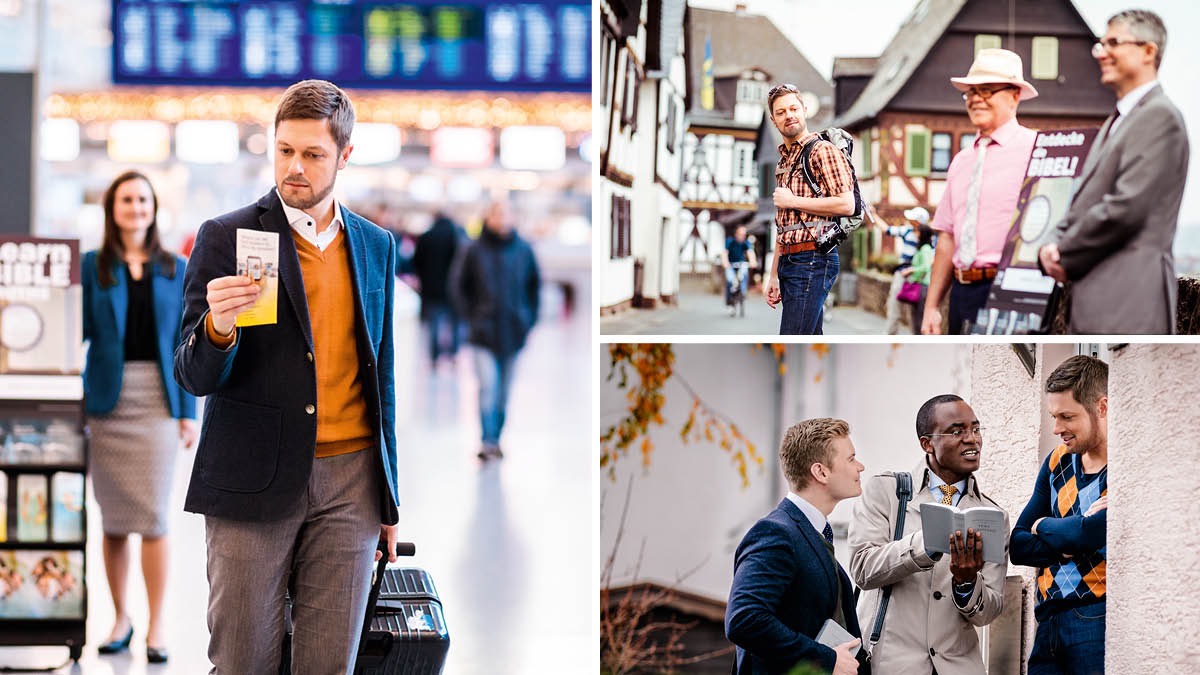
x=974 y=275
x=798 y=247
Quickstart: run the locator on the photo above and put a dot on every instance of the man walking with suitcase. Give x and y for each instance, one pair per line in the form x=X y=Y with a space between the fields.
x=296 y=469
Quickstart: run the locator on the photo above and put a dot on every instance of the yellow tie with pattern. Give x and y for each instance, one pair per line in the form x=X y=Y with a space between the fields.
x=948 y=492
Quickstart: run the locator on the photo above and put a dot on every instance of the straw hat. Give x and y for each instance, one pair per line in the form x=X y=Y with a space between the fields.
x=996 y=66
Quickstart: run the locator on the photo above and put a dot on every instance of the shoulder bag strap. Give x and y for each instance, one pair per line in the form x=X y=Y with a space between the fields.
x=904 y=493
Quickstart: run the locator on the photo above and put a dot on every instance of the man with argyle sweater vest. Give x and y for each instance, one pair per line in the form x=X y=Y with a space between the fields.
x=1062 y=529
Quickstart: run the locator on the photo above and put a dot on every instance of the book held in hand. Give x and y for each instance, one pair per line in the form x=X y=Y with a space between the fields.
x=938 y=521
x=258 y=259
x=833 y=635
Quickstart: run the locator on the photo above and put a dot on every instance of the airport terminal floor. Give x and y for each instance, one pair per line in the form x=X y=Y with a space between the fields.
x=507 y=542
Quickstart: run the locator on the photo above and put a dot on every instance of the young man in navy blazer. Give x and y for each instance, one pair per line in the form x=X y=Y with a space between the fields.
x=296 y=469
x=786 y=581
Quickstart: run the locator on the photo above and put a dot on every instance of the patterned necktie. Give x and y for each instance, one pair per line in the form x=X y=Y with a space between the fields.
x=828 y=532
x=966 y=247
x=948 y=492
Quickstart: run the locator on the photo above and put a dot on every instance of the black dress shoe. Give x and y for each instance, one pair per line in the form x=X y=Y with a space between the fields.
x=156 y=654
x=116 y=646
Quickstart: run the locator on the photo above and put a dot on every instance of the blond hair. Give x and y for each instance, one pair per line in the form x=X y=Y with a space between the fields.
x=807 y=443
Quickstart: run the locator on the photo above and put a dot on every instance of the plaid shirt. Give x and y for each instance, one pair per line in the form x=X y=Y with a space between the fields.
x=830 y=169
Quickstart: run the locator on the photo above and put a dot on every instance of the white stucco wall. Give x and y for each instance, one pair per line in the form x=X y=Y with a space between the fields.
x=1153 y=524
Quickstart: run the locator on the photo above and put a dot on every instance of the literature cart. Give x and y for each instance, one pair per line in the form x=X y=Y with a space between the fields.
x=43 y=447
x=43 y=521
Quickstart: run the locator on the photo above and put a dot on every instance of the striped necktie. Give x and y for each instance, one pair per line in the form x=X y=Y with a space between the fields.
x=966 y=245
x=948 y=492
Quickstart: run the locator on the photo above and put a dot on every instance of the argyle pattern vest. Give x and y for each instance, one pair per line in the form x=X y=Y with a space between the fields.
x=1081 y=579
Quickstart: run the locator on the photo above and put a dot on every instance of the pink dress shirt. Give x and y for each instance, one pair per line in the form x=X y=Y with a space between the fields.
x=1003 y=171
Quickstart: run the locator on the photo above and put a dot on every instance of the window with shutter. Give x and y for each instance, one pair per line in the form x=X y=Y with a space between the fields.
x=917 y=152
x=1045 y=58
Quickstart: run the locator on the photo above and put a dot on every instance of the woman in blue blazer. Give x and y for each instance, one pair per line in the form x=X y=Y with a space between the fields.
x=137 y=414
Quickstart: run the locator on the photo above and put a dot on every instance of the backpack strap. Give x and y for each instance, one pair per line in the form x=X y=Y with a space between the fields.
x=904 y=494
x=806 y=165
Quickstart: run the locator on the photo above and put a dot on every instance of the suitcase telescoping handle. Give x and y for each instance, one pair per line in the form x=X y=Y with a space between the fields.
x=403 y=549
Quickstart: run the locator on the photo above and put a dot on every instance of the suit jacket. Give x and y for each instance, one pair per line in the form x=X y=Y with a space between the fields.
x=1116 y=239
x=924 y=628
x=258 y=437
x=104 y=312
x=785 y=585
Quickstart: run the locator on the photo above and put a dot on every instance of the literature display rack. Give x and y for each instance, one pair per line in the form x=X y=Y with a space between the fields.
x=43 y=446
x=43 y=522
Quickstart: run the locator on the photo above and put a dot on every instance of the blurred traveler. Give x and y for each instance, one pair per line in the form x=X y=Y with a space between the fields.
x=907 y=234
x=1115 y=243
x=787 y=584
x=296 y=469
x=1064 y=528
x=936 y=601
x=138 y=415
x=496 y=287
x=800 y=275
x=918 y=273
x=432 y=260
x=982 y=186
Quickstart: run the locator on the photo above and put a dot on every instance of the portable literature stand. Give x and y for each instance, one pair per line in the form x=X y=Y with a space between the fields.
x=43 y=446
x=43 y=528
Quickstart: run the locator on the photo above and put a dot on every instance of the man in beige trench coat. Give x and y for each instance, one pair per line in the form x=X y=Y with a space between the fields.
x=936 y=599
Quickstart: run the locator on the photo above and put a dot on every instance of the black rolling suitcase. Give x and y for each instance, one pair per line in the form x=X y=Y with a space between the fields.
x=407 y=634
x=404 y=631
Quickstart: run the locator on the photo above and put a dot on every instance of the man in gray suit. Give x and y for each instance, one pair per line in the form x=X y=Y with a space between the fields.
x=1115 y=243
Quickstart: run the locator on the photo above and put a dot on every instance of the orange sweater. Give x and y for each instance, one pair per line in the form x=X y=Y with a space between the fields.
x=342 y=423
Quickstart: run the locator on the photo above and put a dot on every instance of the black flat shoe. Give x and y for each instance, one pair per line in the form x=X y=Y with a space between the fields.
x=116 y=646
x=156 y=654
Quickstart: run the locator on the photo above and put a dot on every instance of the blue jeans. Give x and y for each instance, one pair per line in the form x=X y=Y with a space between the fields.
x=443 y=330
x=1070 y=642
x=804 y=281
x=495 y=379
x=965 y=302
x=731 y=281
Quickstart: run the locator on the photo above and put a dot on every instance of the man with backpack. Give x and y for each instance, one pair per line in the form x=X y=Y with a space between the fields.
x=932 y=602
x=815 y=185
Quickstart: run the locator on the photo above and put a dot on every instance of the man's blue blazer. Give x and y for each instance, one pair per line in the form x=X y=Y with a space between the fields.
x=258 y=437
x=104 y=312
x=785 y=585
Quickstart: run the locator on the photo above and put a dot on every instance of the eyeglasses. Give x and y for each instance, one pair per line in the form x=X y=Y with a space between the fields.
x=977 y=431
x=985 y=94
x=1106 y=45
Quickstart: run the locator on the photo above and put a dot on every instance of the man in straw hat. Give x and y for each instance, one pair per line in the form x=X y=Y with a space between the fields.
x=982 y=186
x=1115 y=243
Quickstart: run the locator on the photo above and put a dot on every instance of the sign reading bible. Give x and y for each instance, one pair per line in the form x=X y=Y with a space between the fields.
x=1022 y=299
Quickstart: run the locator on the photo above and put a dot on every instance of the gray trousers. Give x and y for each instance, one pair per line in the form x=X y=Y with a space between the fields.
x=325 y=547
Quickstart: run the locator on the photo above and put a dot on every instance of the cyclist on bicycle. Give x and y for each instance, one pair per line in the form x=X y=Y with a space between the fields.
x=737 y=250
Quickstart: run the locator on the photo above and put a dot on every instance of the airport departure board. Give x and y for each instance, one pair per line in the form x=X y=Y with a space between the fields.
x=417 y=44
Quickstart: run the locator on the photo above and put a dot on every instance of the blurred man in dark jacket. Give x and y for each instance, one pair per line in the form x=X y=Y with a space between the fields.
x=496 y=288
x=431 y=262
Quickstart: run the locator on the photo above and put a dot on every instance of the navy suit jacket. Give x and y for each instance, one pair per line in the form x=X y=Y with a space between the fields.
x=104 y=312
x=258 y=437
x=785 y=585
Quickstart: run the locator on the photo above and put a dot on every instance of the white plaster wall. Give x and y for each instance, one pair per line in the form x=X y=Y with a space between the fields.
x=1154 y=517
x=688 y=511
